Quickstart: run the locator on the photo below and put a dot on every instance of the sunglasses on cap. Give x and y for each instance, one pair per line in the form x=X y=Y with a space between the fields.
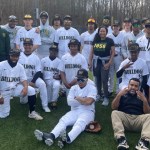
x=91 y=20
x=81 y=80
x=136 y=25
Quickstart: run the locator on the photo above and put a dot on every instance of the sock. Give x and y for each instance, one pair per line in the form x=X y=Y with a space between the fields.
x=31 y=102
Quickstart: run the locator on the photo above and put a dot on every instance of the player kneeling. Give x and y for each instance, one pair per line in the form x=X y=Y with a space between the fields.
x=13 y=82
x=81 y=98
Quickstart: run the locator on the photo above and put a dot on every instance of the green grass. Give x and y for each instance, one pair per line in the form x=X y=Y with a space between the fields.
x=16 y=131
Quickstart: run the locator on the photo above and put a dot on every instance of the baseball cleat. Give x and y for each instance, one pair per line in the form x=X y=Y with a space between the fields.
x=39 y=135
x=46 y=109
x=62 y=139
x=35 y=115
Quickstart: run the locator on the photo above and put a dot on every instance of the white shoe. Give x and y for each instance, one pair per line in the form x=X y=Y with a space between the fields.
x=46 y=109
x=35 y=115
x=105 y=102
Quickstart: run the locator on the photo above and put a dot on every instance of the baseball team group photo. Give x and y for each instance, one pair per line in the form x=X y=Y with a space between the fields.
x=68 y=83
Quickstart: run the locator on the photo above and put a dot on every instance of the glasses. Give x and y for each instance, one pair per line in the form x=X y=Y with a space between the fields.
x=81 y=80
x=136 y=25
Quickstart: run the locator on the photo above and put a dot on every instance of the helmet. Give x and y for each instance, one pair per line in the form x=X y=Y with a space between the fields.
x=14 y=52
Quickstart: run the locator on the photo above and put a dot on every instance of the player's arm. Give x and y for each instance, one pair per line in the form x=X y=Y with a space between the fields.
x=91 y=57
x=116 y=101
x=25 y=88
x=35 y=47
x=73 y=82
x=63 y=78
x=85 y=100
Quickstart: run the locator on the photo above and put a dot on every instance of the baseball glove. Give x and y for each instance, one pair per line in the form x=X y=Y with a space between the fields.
x=93 y=127
x=1 y=100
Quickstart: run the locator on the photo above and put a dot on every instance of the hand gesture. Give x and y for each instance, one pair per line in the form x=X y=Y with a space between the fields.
x=124 y=91
x=141 y=96
x=128 y=65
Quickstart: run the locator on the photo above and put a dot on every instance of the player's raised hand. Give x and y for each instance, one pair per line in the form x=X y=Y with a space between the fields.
x=141 y=96
x=128 y=65
x=123 y=92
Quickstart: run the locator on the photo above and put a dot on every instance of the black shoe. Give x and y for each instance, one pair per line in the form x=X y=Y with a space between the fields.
x=53 y=105
x=142 y=145
x=62 y=139
x=122 y=143
x=48 y=138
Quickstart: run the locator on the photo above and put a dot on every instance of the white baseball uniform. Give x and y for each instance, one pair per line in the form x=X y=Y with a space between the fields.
x=80 y=115
x=47 y=34
x=136 y=70
x=129 y=38
x=148 y=82
x=144 y=45
x=10 y=85
x=63 y=37
x=12 y=34
x=23 y=33
x=49 y=69
x=116 y=60
x=32 y=65
x=86 y=43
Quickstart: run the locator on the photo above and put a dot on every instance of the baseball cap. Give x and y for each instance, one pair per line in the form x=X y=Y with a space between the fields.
x=28 y=41
x=82 y=73
x=144 y=19
x=57 y=17
x=27 y=16
x=74 y=42
x=43 y=14
x=136 y=23
x=68 y=17
x=91 y=20
x=116 y=23
x=14 y=52
x=53 y=47
x=127 y=20
x=133 y=47
x=106 y=17
x=147 y=23
x=12 y=18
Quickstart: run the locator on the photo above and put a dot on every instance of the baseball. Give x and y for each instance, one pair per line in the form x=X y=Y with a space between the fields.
x=91 y=126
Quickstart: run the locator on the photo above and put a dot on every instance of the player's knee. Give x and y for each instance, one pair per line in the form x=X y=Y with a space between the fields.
x=31 y=91
x=82 y=124
x=42 y=85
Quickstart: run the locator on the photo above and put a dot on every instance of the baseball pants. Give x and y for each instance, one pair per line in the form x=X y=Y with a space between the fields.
x=76 y=118
x=122 y=121
x=5 y=108
x=53 y=87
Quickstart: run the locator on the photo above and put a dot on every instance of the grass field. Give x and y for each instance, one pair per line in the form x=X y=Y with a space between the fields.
x=16 y=131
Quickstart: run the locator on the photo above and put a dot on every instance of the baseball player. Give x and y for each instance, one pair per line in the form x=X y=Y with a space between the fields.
x=133 y=67
x=12 y=28
x=27 y=32
x=144 y=44
x=64 y=35
x=57 y=22
x=47 y=35
x=51 y=75
x=117 y=36
x=81 y=98
x=131 y=37
x=13 y=82
x=32 y=66
x=87 y=38
x=71 y=63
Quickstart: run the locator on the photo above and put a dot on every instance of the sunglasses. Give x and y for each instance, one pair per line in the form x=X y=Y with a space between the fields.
x=136 y=25
x=81 y=80
x=91 y=21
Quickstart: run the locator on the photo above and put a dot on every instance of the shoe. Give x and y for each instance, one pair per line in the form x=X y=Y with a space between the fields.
x=43 y=136
x=62 y=139
x=142 y=145
x=105 y=102
x=110 y=94
x=35 y=115
x=122 y=143
x=46 y=109
x=53 y=105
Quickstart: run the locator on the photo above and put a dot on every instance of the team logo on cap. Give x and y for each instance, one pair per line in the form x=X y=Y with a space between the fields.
x=27 y=16
x=81 y=72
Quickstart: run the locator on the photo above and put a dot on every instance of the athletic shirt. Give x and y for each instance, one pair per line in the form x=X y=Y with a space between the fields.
x=31 y=64
x=88 y=91
x=144 y=48
x=86 y=43
x=23 y=33
x=49 y=67
x=10 y=77
x=138 y=69
x=130 y=104
x=63 y=37
x=71 y=64
x=12 y=34
x=102 y=48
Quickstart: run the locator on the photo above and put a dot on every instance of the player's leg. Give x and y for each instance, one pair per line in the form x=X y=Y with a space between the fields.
x=49 y=90
x=43 y=93
x=5 y=107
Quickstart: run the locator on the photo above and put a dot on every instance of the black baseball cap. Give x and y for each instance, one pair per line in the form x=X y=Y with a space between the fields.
x=28 y=41
x=127 y=20
x=147 y=23
x=82 y=73
x=44 y=14
x=116 y=23
x=53 y=47
x=57 y=17
x=144 y=19
x=106 y=17
x=12 y=18
x=15 y=52
x=27 y=16
x=133 y=47
x=68 y=17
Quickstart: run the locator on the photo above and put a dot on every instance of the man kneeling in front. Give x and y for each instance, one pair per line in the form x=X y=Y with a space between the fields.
x=131 y=112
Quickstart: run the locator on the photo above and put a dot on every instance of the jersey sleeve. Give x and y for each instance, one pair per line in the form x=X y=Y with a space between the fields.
x=56 y=37
x=148 y=82
x=77 y=36
x=17 y=39
x=82 y=39
x=145 y=69
x=84 y=63
x=37 y=39
x=61 y=66
x=92 y=92
x=23 y=76
x=38 y=65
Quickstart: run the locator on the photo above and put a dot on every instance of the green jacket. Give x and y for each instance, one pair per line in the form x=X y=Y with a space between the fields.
x=4 y=44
